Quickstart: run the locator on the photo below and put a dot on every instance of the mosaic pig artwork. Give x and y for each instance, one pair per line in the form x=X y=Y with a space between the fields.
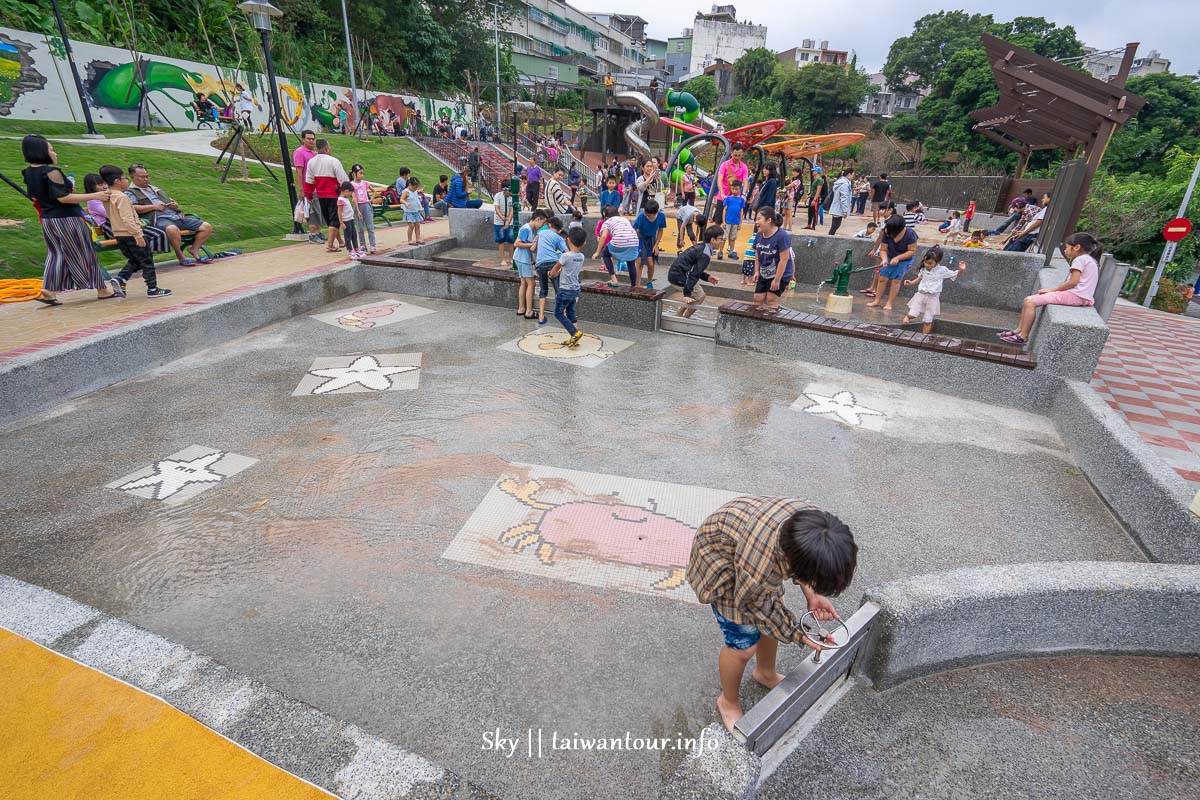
x=602 y=528
x=361 y=318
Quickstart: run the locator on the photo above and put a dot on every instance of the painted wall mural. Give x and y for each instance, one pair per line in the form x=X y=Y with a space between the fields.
x=35 y=83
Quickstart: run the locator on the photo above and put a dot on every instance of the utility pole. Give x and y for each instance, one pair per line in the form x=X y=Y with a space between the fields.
x=353 y=121
x=1168 y=253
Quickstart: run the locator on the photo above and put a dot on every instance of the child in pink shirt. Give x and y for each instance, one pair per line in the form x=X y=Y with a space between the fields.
x=1083 y=251
x=366 y=212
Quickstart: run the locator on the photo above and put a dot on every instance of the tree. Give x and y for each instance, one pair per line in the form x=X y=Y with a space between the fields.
x=704 y=89
x=909 y=128
x=817 y=94
x=1170 y=118
x=914 y=61
x=746 y=111
x=755 y=72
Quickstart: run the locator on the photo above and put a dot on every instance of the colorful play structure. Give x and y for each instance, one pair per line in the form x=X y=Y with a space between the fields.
x=695 y=131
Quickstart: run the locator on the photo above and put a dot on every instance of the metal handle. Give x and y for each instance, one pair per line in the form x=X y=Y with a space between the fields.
x=823 y=633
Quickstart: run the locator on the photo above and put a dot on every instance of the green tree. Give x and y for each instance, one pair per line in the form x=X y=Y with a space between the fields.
x=911 y=129
x=914 y=61
x=817 y=94
x=746 y=111
x=1170 y=118
x=755 y=72
x=704 y=89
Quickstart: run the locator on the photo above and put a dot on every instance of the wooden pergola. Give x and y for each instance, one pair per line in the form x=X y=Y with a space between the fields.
x=1045 y=105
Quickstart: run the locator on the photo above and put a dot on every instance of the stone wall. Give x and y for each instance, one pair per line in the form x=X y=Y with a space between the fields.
x=949 y=191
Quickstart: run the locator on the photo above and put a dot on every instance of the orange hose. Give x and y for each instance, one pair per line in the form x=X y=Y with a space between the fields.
x=18 y=290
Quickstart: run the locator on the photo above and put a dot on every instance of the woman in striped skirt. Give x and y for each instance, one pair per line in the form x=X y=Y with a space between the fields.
x=71 y=261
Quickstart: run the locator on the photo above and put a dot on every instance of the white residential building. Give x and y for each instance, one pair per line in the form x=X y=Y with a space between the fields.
x=883 y=102
x=550 y=33
x=1104 y=66
x=719 y=35
x=811 y=51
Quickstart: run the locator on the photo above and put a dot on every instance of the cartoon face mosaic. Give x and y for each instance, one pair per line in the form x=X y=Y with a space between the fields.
x=390 y=372
x=551 y=343
x=372 y=315
x=183 y=475
x=600 y=530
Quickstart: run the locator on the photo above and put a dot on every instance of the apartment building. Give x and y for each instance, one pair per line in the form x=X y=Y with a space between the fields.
x=883 y=102
x=1104 y=65
x=555 y=40
x=717 y=35
x=811 y=51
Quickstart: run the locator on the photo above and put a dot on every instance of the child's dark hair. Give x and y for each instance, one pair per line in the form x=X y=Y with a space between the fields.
x=911 y=204
x=92 y=181
x=443 y=178
x=956 y=214
x=346 y=186
x=356 y=168
x=769 y=213
x=651 y=207
x=577 y=215
x=894 y=225
x=414 y=181
x=933 y=254
x=537 y=213
x=608 y=211
x=577 y=236
x=612 y=178
x=820 y=551
x=977 y=233
x=108 y=173
x=701 y=221
x=1089 y=243
x=403 y=172
x=872 y=225
x=712 y=233
x=555 y=223
x=734 y=183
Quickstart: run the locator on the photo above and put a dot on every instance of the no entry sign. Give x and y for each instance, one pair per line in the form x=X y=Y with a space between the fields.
x=1177 y=229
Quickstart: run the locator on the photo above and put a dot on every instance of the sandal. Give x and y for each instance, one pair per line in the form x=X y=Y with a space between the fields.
x=187 y=262
x=1015 y=338
x=204 y=260
x=54 y=302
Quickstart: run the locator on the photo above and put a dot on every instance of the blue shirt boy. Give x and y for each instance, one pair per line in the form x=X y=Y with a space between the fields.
x=523 y=255
x=734 y=204
x=648 y=228
x=609 y=198
x=549 y=246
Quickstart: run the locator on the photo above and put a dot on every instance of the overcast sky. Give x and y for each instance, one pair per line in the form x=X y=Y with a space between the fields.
x=1169 y=26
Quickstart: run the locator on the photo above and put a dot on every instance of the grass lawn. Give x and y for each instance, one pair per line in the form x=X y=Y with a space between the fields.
x=251 y=216
x=20 y=127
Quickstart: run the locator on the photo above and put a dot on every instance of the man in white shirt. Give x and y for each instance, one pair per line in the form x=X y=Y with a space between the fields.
x=502 y=226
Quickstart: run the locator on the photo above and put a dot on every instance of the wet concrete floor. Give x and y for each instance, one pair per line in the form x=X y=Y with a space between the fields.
x=319 y=569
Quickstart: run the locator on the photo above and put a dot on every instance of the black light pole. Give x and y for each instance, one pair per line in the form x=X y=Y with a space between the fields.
x=87 y=112
x=260 y=13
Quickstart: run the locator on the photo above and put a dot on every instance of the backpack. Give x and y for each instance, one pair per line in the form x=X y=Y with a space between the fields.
x=391 y=197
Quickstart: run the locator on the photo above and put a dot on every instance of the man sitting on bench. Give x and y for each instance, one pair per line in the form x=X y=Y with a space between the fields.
x=162 y=212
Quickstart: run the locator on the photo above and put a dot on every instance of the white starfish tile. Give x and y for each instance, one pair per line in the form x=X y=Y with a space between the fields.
x=183 y=475
x=842 y=405
x=386 y=372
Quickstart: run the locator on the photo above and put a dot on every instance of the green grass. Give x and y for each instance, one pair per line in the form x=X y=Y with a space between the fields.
x=251 y=216
x=20 y=127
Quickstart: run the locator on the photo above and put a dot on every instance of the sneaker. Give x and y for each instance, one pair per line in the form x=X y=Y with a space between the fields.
x=117 y=286
x=158 y=292
x=322 y=237
x=354 y=255
x=717 y=255
x=649 y=284
x=315 y=238
x=121 y=281
x=371 y=250
x=573 y=342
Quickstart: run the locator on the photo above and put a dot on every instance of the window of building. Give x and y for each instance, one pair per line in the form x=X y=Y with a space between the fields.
x=804 y=57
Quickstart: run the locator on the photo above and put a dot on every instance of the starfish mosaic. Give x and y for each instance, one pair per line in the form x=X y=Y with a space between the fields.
x=364 y=370
x=843 y=405
x=171 y=475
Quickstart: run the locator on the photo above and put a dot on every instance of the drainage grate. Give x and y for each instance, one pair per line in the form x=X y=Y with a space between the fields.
x=703 y=321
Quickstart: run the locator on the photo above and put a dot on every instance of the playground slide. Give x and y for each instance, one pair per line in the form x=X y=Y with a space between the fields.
x=635 y=134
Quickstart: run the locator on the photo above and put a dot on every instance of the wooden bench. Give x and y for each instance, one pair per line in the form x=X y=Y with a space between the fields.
x=185 y=239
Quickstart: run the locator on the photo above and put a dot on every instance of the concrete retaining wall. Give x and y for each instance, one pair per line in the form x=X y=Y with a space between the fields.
x=1143 y=490
x=43 y=380
x=608 y=307
x=980 y=615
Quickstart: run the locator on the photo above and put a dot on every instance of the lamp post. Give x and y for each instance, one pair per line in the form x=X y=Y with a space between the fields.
x=350 y=63
x=83 y=103
x=260 y=13
x=499 y=122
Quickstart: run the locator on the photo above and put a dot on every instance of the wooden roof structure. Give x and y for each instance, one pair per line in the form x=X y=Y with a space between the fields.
x=1045 y=105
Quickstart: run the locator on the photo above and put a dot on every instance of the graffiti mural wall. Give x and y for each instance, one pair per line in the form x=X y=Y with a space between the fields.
x=35 y=83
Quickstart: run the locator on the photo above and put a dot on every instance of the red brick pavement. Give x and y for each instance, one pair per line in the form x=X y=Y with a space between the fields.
x=1150 y=373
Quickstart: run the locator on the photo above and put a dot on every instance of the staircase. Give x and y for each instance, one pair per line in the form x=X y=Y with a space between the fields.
x=494 y=170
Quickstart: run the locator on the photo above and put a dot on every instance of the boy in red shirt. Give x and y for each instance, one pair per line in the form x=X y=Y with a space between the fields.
x=968 y=216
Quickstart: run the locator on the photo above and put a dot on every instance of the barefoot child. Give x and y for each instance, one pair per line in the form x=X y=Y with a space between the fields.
x=566 y=276
x=414 y=211
x=741 y=557
x=899 y=245
x=616 y=239
x=523 y=258
x=927 y=300
x=1083 y=251
x=547 y=247
x=690 y=267
x=773 y=262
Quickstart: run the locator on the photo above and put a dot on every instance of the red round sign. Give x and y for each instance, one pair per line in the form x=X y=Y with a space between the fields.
x=1177 y=229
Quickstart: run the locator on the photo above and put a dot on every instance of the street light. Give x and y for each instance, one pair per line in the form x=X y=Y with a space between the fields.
x=260 y=13
x=350 y=63
x=87 y=112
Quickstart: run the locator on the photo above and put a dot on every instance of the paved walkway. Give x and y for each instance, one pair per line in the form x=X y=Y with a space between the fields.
x=28 y=327
x=73 y=732
x=195 y=142
x=1148 y=373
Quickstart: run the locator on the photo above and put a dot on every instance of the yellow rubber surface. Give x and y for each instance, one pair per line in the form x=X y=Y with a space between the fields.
x=68 y=732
